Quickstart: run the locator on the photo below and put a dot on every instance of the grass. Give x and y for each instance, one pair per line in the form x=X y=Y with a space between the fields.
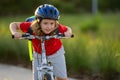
x=94 y=52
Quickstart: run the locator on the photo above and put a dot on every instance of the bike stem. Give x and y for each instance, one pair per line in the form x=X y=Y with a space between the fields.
x=43 y=55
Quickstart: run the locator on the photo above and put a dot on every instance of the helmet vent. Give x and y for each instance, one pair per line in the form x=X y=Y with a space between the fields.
x=51 y=11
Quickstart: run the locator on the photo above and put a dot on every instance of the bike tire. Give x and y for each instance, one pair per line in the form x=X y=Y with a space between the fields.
x=47 y=77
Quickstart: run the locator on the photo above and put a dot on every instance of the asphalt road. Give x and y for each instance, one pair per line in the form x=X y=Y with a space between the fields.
x=9 y=72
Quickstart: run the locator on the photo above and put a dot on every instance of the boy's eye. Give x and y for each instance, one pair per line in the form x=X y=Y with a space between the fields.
x=52 y=23
x=45 y=23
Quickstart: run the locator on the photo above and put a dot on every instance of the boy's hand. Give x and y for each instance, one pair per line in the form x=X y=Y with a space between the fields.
x=68 y=33
x=17 y=35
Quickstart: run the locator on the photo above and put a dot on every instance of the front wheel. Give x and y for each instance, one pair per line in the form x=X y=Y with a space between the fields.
x=47 y=77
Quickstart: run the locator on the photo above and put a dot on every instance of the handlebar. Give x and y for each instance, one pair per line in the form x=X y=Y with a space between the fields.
x=28 y=36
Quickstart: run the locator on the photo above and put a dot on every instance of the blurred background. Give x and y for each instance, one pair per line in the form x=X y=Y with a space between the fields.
x=94 y=52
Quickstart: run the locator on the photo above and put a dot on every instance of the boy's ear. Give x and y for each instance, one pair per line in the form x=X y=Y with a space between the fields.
x=38 y=20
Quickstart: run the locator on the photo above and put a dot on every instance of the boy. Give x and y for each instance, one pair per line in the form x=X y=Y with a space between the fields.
x=46 y=23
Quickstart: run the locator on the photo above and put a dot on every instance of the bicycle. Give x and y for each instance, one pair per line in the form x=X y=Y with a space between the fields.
x=45 y=70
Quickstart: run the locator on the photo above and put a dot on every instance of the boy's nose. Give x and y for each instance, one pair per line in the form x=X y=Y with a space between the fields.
x=48 y=25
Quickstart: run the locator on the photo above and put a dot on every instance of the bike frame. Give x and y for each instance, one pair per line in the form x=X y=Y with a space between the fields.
x=45 y=67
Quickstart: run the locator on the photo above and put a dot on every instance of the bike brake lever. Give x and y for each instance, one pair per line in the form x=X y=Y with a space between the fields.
x=13 y=36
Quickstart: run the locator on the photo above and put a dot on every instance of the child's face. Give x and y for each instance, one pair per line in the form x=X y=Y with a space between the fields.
x=48 y=25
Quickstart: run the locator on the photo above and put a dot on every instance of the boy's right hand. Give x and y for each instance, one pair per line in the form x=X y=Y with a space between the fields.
x=17 y=35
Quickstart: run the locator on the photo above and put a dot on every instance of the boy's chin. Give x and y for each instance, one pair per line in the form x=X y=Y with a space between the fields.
x=47 y=33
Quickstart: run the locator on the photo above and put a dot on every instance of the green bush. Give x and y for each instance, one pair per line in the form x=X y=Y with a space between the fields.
x=91 y=25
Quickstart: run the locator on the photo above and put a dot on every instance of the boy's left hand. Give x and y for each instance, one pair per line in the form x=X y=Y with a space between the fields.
x=68 y=33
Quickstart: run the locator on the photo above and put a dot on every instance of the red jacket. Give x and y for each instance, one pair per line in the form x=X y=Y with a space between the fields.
x=51 y=46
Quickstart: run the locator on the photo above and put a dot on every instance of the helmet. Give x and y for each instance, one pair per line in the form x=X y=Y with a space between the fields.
x=47 y=11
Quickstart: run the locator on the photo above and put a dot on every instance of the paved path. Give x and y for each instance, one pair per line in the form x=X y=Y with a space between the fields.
x=9 y=72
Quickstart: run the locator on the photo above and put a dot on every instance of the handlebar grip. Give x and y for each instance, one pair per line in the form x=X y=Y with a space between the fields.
x=72 y=35
x=24 y=35
x=13 y=36
x=62 y=35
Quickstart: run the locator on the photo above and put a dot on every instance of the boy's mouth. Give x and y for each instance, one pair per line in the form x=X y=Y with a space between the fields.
x=48 y=30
